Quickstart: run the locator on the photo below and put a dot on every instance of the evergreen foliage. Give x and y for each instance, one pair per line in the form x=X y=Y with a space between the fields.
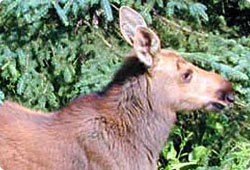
x=232 y=13
x=54 y=50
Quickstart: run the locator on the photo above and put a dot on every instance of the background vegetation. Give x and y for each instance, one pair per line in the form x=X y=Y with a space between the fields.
x=54 y=50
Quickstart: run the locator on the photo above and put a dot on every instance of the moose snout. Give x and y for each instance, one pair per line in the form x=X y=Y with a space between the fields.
x=226 y=93
x=224 y=96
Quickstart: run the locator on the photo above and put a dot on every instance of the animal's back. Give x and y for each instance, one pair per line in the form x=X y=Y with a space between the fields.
x=29 y=140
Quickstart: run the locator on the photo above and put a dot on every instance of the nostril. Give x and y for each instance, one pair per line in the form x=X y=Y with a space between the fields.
x=225 y=96
x=230 y=97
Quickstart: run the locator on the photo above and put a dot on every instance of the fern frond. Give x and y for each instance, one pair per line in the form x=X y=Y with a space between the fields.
x=173 y=5
x=61 y=13
x=107 y=9
x=197 y=11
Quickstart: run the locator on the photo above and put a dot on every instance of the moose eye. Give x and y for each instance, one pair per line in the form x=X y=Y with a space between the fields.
x=187 y=76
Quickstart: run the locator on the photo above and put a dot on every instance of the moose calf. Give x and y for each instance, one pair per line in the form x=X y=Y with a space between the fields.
x=123 y=127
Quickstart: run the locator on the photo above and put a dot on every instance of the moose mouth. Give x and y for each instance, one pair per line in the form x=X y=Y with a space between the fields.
x=215 y=106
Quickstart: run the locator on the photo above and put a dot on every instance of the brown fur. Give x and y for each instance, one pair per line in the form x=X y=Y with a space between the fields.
x=121 y=128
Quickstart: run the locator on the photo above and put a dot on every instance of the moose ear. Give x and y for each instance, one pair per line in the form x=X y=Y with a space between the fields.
x=146 y=45
x=129 y=20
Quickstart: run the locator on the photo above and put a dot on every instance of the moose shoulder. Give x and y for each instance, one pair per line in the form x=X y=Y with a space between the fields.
x=123 y=127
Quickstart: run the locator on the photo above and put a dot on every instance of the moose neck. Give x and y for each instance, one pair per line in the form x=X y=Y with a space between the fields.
x=127 y=109
x=138 y=107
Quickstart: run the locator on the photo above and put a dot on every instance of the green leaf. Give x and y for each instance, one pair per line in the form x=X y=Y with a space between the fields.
x=61 y=13
x=169 y=152
x=67 y=6
x=244 y=4
x=13 y=71
x=67 y=75
x=180 y=5
x=198 y=10
x=1 y=97
x=198 y=154
x=12 y=6
x=21 y=57
x=21 y=83
x=160 y=3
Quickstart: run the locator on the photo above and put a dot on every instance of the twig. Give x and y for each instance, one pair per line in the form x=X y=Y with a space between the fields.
x=99 y=35
x=116 y=8
x=87 y=23
x=104 y=40
x=180 y=27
